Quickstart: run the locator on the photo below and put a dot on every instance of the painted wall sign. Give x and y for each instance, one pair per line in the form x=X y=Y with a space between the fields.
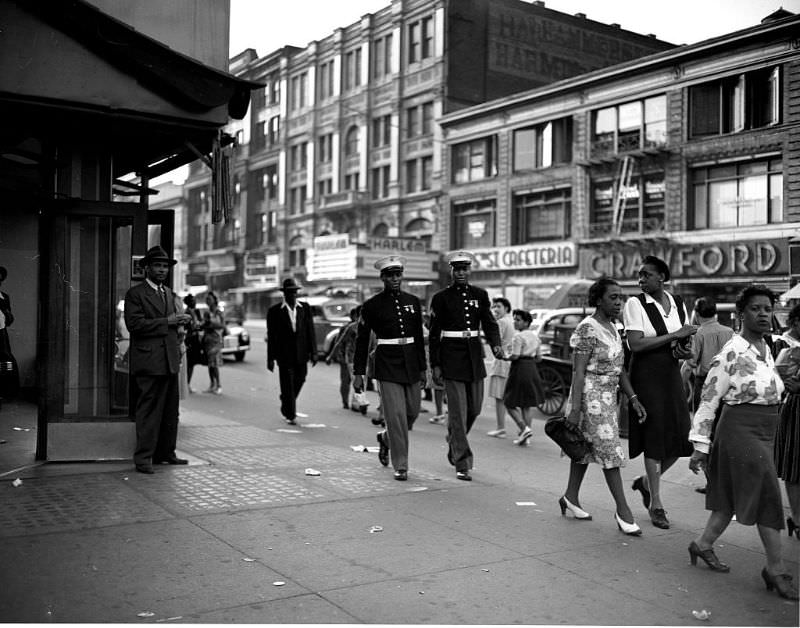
x=390 y=245
x=528 y=256
x=718 y=259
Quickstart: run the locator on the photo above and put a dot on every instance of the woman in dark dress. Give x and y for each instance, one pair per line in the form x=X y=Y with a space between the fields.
x=9 y=374
x=657 y=334
x=738 y=462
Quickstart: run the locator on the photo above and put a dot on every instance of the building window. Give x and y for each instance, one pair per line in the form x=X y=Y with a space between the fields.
x=297 y=200
x=324 y=187
x=351 y=142
x=274 y=130
x=541 y=216
x=382 y=56
x=381 y=131
x=351 y=181
x=297 y=257
x=325 y=72
x=352 y=70
x=264 y=183
x=641 y=212
x=263 y=228
x=738 y=195
x=412 y=177
x=631 y=126
x=473 y=224
x=419 y=174
x=419 y=120
x=735 y=103
x=298 y=156
x=259 y=140
x=420 y=40
x=475 y=160
x=412 y=122
x=427 y=118
x=380 y=182
x=274 y=88
x=325 y=148
x=543 y=145
x=299 y=91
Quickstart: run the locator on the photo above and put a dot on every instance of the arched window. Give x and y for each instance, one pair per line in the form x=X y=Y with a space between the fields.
x=419 y=225
x=381 y=230
x=351 y=141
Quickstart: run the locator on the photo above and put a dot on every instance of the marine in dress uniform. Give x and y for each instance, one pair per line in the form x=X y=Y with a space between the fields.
x=456 y=352
x=396 y=319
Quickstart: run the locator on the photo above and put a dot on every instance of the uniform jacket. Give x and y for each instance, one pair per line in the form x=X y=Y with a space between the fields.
x=391 y=315
x=154 y=344
x=285 y=346
x=460 y=308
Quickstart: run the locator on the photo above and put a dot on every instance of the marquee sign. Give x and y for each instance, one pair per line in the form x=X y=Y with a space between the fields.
x=528 y=256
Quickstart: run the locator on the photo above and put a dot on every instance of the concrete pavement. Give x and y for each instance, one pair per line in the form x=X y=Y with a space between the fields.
x=244 y=535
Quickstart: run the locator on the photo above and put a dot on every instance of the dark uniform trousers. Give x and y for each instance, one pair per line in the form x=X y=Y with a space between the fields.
x=464 y=402
x=400 y=409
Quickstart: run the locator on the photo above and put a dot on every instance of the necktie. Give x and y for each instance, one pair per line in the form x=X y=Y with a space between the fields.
x=162 y=294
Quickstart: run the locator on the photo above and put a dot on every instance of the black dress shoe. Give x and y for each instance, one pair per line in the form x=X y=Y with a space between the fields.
x=173 y=460
x=401 y=475
x=464 y=475
x=383 y=451
x=145 y=468
x=659 y=518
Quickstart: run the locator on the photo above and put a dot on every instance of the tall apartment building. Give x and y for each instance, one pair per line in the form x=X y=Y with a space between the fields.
x=691 y=154
x=342 y=163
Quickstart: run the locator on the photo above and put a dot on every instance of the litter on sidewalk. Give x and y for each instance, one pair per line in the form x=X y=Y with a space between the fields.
x=375 y=529
x=702 y=615
x=310 y=471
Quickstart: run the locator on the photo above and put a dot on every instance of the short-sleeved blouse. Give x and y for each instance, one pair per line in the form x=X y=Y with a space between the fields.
x=636 y=318
x=738 y=374
x=525 y=343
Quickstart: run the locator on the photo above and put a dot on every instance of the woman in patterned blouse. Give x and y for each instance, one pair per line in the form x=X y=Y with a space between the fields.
x=740 y=468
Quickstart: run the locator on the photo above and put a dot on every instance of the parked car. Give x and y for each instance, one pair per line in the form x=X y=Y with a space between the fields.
x=570 y=316
x=329 y=315
x=236 y=343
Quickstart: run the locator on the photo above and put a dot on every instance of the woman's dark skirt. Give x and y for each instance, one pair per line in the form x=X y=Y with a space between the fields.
x=524 y=386
x=741 y=472
x=787 y=440
x=656 y=379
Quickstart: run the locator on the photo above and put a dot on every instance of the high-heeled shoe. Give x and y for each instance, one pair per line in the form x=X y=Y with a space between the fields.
x=631 y=529
x=708 y=556
x=792 y=528
x=782 y=582
x=578 y=513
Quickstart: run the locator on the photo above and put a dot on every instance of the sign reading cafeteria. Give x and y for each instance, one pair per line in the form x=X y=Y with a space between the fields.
x=527 y=256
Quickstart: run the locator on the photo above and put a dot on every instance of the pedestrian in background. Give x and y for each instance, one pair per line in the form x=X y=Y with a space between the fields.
x=787 y=437
x=213 y=334
x=155 y=362
x=291 y=344
x=343 y=352
x=523 y=390
x=711 y=336
x=597 y=375
x=457 y=315
x=499 y=369
x=738 y=461
x=395 y=317
x=9 y=372
x=194 y=338
x=437 y=388
x=657 y=334
x=183 y=371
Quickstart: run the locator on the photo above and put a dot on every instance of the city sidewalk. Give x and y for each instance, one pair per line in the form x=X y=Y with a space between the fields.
x=244 y=535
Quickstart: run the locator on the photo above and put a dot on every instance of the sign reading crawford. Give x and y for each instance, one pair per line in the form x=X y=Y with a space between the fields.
x=527 y=256
x=719 y=259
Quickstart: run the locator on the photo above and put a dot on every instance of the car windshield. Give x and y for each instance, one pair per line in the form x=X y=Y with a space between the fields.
x=339 y=310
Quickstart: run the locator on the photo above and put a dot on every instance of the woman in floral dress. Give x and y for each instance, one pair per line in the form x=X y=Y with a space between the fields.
x=597 y=373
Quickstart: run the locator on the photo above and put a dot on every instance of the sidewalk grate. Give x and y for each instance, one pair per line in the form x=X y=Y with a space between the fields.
x=73 y=503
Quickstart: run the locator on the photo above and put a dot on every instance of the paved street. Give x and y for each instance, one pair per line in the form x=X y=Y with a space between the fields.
x=244 y=535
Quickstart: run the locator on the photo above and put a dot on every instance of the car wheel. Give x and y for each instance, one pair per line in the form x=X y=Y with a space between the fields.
x=239 y=356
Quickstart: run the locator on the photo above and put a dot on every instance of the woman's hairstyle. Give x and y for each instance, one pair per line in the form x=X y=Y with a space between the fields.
x=213 y=296
x=659 y=264
x=794 y=315
x=524 y=315
x=504 y=302
x=598 y=290
x=189 y=299
x=753 y=290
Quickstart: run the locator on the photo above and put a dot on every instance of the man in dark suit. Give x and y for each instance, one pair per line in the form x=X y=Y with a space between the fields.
x=155 y=362
x=456 y=353
x=400 y=366
x=290 y=343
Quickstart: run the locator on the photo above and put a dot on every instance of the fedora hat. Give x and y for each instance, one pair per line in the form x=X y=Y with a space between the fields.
x=290 y=285
x=157 y=254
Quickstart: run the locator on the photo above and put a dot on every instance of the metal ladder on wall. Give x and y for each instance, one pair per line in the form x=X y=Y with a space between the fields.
x=621 y=185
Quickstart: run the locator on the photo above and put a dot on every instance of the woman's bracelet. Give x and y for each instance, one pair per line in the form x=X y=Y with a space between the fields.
x=632 y=397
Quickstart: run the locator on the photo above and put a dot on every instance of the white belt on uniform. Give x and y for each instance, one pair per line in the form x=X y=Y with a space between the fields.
x=467 y=333
x=396 y=341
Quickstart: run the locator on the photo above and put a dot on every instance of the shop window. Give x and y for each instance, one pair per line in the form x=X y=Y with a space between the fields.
x=380 y=182
x=735 y=103
x=475 y=160
x=642 y=210
x=737 y=195
x=473 y=224
x=543 y=145
x=381 y=131
x=630 y=126
x=542 y=216
x=382 y=56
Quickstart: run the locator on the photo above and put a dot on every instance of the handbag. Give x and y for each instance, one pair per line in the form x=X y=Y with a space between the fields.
x=568 y=436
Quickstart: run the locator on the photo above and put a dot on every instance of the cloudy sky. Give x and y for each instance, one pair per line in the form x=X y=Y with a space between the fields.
x=269 y=24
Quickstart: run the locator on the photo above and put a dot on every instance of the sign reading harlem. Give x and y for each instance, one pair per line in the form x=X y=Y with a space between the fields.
x=543 y=49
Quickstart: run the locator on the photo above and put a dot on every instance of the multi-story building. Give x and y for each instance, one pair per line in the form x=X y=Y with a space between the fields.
x=691 y=154
x=342 y=160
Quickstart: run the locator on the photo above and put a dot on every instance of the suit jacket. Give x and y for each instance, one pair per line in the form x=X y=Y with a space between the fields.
x=460 y=308
x=154 y=344
x=285 y=346
x=392 y=316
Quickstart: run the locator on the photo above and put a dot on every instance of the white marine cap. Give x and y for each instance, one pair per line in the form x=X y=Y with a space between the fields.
x=392 y=261
x=460 y=257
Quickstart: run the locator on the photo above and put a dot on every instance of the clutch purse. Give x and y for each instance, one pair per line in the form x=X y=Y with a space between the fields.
x=568 y=436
